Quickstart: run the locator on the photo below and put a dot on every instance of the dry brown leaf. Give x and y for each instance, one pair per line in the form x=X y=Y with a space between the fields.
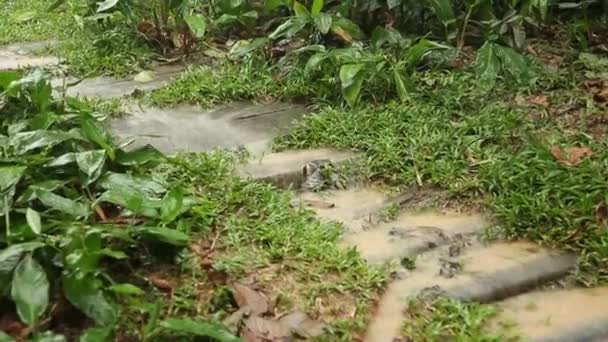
x=162 y=283
x=601 y=95
x=301 y=325
x=245 y=297
x=257 y=329
x=571 y=156
x=541 y=100
x=342 y=34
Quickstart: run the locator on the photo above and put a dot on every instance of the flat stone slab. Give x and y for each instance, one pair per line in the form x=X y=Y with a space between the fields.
x=109 y=87
x=558 y=316
x=22 y=55
x=191 y=129
x=286 y=169
x=487 y=273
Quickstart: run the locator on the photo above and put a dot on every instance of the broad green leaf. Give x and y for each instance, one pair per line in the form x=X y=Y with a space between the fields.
x=55 y=5
x=314 y=61
x=97 y=334
x=300 y=10
x=487 y=64
x=133 y=200
x=416 y=52
x=94 y=131
x=514 y=63
x=33 y=220
x=85 y=292
x=400 y=85
x=288 y=29
x=91 y=164
x=244 y=47
x=444 y=11
x=141 y=156
x=197 y=24
x=271 y=5
x=60 y=203
x=23 y=16
x=9 y=258
x=10 y=176
x=26 y=141
x=348 y=74
x=317 y=7
x=63 y=160
x=167 y=235
x=106 y=5
x=127 y=289
x=200 y=328
x=141 y=184
x=48 y=336
x=172 y=205
x=348 y=26
x=351 y=93
x=5 y=338
x=8 y=77
x=30 y=290
x=323 y=22
x=49 y=185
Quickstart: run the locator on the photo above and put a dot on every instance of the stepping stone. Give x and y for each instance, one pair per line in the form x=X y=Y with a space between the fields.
x=191 y=129
x=109 y=87
x=285 y=169
x=487 y=273
x=349 y=207
x=559 y=315
x=22 y=55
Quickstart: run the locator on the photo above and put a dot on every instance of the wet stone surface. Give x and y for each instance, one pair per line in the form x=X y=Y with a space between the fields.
x=191 y=129
x=23 y=55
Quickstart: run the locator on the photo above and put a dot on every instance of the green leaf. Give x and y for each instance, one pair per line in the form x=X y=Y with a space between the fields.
x=127 y=289
x=60 y=203
x=300 y=10
x=55 y=5
x=33 y=220
x=487 y=64
x=172 y=205
x=48 y=336
x=141 y=156
x=8 y=77
x=323 y=22
x=10 y=176
x=93 y=130
x=317 y=7
x=5 y=338
x=244 y=47
x=416 y=52
x=9 y=258
x=444 y=11
x=288 y=29
x=97 y=334
x=23 y=16
x=514 y=63
x=49 y=185
x=271 y=5
x=314 y=61
x=197 y=24
x=106 y=5
x=141 y=184
x=91 y=164
x=167 y=235
x=352 y=79
x=30 y=290
x=400 y=85
x=26 y=141
x=63 y=160
x=348 y=26
x=204 y=329
x=85 y=293
x=131 y=199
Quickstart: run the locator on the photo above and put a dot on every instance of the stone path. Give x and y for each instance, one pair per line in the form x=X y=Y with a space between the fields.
x=447 y=254
x=449 y=259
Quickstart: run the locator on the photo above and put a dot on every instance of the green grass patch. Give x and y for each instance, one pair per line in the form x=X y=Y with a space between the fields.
x=478 y=144
x=445 y=319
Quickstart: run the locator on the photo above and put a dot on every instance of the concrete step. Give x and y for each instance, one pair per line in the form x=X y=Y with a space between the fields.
x=479 y=273
x=23 y=55
x=558 y=315
x=286 y=169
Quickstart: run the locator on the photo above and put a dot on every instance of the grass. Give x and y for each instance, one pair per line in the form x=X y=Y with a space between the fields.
x=444 y=319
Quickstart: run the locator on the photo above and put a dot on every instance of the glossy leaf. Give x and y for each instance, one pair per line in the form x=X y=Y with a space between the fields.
x=352 y=80
x=197 y=24
x=314 y=61
x=26 y=141
x=10 y=176
x=323 y=22
x=30 y=290
x=400 y=85
x=172 y=205
x=106 y=5
x=94 y=131
x=33 y=220
x=300 y=10
x=444 y=11
x=487 y=64
x=85 y=293
x=133 y=200
x=167 y=235
x=142 y=184
x=60 y=203
x=317 y=7
x=142 y=156
x=288 y=29
x=91 y=164
x=214 y=331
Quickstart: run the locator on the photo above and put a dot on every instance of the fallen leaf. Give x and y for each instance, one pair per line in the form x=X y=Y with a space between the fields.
x=144 y=77
x=302 y=325
x=571 y=156
x=162 y=283
x=601 y=95
x=246 y=297
x=257 y=329
x=541 y=100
